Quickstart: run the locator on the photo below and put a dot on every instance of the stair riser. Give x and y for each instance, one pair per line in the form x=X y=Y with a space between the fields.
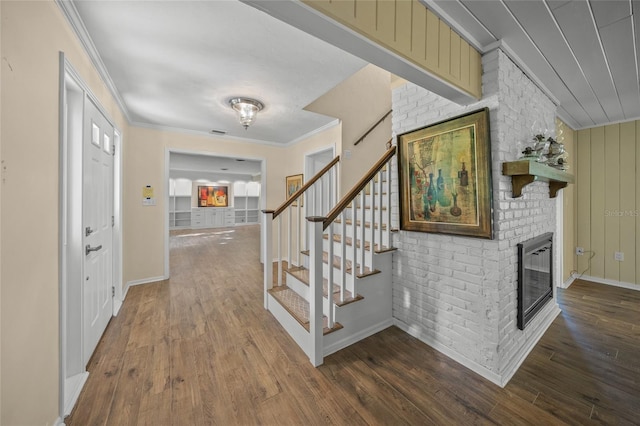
x=371 y=314
x=385 y=238
x=303 y=290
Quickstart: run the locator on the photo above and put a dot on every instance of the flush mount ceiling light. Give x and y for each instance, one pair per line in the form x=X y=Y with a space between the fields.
x=247 y=109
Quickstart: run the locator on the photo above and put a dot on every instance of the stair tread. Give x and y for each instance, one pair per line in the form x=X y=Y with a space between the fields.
x=367 y=246
x=368 y=207
x=298 y=307
x=366 y=224
x=336 y=264
x=302 y=274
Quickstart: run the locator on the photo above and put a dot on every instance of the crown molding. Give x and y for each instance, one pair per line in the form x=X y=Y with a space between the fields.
x=73 y=18
x=321 y=129
x=207 y=134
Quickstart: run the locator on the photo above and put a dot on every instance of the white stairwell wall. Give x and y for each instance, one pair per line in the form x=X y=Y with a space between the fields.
x=459 y=294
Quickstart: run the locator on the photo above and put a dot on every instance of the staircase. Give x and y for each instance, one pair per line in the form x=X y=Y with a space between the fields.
x=335 y=288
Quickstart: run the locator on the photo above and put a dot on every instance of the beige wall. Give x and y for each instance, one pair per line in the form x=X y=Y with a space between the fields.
x=144 y=164
x=568 y=136
x=33 y=34
x=412 y=31
x=359 y=102
x=608 y=190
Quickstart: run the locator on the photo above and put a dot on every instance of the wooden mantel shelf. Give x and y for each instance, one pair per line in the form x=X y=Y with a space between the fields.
x=523 y=172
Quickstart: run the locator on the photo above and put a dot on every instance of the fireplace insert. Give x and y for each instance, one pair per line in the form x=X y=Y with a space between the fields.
x=535 y=276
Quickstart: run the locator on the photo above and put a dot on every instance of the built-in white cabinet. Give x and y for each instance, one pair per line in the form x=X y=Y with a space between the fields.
x=246 y=200
x=184 y=213
x=212 y=217
x=179 y=203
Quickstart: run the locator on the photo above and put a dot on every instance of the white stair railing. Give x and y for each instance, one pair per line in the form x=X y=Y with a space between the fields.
x=297 y=235
x=359 y=242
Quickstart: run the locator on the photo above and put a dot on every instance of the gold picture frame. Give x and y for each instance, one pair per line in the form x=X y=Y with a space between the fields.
x=445 y=177
x=293 y=184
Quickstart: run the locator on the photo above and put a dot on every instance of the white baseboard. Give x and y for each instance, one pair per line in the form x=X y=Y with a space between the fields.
x=630 y=286
x=142 y=281
x=73 y=386
x=58 y=422
x=419 y=333
x=117 y=304
x=568 y=282
x=363 y=334
x=532 y=341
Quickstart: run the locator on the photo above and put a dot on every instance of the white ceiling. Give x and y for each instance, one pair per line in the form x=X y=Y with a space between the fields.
x=213 y=168
x=585 y=53
x=175 y=64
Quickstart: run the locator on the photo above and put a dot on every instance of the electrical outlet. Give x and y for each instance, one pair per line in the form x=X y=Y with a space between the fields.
x=619 y=256
x=579 y=251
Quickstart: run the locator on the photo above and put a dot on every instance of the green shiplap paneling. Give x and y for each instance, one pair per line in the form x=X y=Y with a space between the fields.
x=628 y=199
x=568 y=202
x=455 y=56
x=637 y=233
x=366 y=15
x=345 y=9
x=433 y=34
x=611 y=201
x=465 y=67
x=386 y=20
x=598 y=206
x=444 y=49
x=583 y=197
x=419 y=35
x=403 y=27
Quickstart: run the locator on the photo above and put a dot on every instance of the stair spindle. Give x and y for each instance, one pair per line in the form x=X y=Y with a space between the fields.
x=362 y=231
x=372 y=239
x=289 y=234
x=380 y=200
x=299 y=231
x=343 y=254
x=279 y=239
x=354 y=247
x=330 y=280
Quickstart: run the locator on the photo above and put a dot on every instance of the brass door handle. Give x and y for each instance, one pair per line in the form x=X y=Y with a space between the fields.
x=88 y=249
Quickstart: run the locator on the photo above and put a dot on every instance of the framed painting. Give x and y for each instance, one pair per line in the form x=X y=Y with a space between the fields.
x=294 y=183
x=445 y=177
x=213 y=196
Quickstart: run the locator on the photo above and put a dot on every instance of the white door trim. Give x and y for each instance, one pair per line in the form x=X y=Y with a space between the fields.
x=69 y=387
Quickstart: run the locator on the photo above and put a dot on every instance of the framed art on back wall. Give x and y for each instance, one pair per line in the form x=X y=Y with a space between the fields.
x=445 y=177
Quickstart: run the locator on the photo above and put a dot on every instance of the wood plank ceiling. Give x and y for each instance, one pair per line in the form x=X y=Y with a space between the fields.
x=585 y=53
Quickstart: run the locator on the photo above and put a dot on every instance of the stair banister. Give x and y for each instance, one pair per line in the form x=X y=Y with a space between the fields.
x=372 y=127
x=353 y=193
x=267 y=255
x=315 y=290
x=304 y=187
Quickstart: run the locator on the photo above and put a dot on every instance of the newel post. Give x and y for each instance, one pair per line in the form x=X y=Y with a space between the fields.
x=267 y=253
x=315 y=289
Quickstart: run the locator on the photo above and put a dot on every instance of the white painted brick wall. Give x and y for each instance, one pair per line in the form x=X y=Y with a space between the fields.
x=462 y=292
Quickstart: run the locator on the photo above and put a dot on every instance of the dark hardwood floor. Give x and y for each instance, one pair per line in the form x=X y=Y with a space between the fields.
x=199 y=349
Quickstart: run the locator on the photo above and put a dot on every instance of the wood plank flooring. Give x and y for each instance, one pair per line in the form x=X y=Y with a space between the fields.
x=199 y=349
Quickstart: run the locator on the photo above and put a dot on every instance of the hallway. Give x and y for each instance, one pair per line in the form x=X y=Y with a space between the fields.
x=200 y=349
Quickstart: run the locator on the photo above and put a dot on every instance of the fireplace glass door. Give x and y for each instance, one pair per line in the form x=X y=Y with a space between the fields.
x=535 y=277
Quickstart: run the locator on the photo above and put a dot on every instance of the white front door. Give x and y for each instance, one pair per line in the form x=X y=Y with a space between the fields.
x=97 y=216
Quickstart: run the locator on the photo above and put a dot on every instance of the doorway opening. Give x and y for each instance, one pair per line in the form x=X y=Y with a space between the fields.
x=211 y=190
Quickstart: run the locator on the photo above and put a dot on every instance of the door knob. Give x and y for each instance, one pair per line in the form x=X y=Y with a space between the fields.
x=88 y=249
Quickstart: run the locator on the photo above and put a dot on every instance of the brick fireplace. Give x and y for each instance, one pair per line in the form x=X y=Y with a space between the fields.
x=460 y=294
